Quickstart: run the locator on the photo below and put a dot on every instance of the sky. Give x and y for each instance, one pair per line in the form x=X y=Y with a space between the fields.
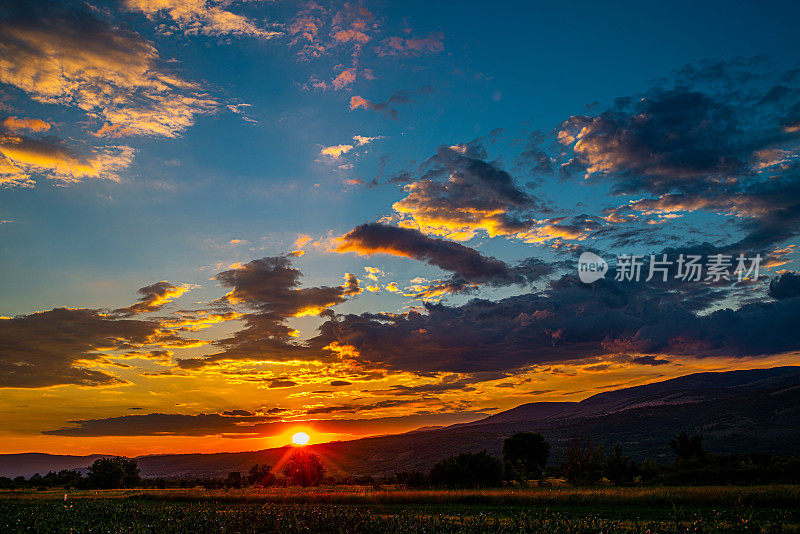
x=223 y=222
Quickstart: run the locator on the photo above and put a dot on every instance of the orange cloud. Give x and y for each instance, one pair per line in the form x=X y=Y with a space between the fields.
x=14 y=124
x=335 y=151
x=344 y=79
x=360 y=102
x=202 y=17
x=20 y=157
x=111 y=74
x=344 y=36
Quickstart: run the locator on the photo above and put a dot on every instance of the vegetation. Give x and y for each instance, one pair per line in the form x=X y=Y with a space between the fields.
x=304 y=469
x=468 y=470
x=109 y=473
x=654 y=510
x=525 y=455
x=583 y=461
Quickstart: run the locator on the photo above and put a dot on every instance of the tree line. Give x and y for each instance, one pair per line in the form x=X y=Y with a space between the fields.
x=523 y=460
x=585 y=461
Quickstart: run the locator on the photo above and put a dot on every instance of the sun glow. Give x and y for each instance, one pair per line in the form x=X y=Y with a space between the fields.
x=300 y=438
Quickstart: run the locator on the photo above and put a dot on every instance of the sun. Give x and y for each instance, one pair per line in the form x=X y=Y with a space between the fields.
x=300 y=438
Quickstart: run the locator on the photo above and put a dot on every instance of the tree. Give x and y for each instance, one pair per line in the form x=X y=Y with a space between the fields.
x=109 y=473
x=688 y=448
x=468 y=470
x=260 y=475
x=233 y=480
x=583 y=461
x=526 y=453
x=619 y=469
x=304 y=469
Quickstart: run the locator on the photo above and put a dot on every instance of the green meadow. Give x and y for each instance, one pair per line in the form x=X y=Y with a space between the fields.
x=351 y=510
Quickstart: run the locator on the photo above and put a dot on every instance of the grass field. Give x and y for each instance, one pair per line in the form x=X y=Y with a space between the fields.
x=355 y=510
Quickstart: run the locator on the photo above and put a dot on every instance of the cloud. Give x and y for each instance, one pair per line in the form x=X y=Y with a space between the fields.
x=210 y=424
x=62 y=54
x=361 y=140
x=281 y=383
x=570 y=322
x=335 y=151
x=468 y=265
x=21 y=157
x=460 y=194
x=411 y=46
x=154 y=297
x=268 y=289
x=344 y=79
x=787 y=286
x=206 y=17
x=387 y=107
x=14 y=124
x=718 y=141
x=58 y=346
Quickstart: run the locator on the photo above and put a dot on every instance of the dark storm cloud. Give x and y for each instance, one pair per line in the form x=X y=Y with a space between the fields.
x=46 y=348
x=785 y=287
x=649 y=360
x=569 y=322
x=468 y=265
x=270 y=289
x=722 y=139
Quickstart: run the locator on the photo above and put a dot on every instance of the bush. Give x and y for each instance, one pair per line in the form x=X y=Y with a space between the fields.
x=468 y=470
x=413 y=479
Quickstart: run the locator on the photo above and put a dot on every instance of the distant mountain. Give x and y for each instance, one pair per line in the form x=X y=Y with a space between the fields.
x=736 y=411
x=30 y=463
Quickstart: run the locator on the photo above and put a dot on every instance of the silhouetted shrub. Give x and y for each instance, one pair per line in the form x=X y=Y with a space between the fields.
x=468 y=470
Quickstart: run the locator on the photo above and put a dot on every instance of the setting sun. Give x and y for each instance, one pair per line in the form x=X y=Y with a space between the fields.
x=300 y=438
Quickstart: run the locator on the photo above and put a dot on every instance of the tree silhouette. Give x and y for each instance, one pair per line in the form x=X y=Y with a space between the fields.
x=260 y=475
x=619 y=469
x=304 y=469
x=526 y=453
x=688 y=448
x=109 y=473
x=583 y=460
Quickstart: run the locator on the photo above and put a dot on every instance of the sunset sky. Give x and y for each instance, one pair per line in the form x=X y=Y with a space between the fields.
x=225 y=222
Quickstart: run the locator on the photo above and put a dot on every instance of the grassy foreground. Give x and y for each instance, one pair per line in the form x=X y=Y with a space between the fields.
x=356 y=510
